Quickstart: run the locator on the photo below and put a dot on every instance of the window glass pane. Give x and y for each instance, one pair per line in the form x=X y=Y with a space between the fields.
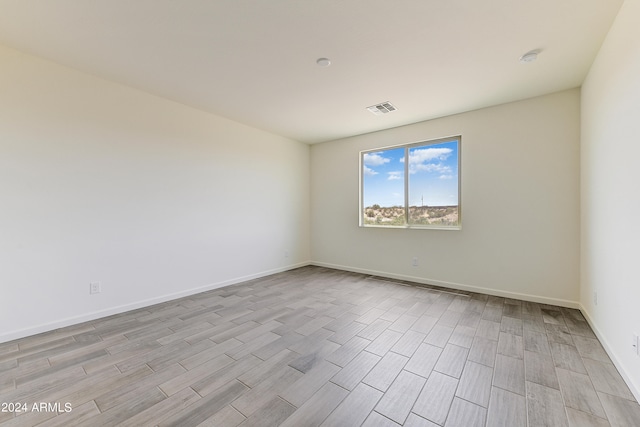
x=383 y=187
x=433 y=184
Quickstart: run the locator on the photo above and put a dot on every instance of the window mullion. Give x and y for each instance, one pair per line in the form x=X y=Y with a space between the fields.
x=406 y=186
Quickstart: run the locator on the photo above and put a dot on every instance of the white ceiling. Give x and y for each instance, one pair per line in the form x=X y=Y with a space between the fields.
x=254 y=61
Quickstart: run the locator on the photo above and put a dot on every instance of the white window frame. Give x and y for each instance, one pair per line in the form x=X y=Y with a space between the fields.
x=407 y=148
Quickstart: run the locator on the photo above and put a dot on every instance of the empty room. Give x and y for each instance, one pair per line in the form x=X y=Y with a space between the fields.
x=319 y=213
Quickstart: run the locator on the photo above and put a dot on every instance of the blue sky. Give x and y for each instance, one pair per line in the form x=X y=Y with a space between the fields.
x=433 y=175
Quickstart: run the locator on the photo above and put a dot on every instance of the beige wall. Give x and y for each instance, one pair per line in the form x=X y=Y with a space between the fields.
x=100 y=182
x=610 y=195
x=520 y=204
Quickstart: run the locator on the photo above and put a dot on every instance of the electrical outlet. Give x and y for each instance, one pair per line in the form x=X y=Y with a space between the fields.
x=414 y=261
x=286 y=254
x=95 y=288
x=595 y=297
x=635 y=343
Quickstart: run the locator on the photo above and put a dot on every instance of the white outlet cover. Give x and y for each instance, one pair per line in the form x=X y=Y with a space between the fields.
x=94 y=288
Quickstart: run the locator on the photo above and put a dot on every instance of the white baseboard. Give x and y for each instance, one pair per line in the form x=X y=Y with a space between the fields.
x=74 y=320
x=458 y=286
x=635 y=388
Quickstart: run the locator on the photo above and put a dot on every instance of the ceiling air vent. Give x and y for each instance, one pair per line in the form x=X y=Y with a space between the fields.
x=383 y=108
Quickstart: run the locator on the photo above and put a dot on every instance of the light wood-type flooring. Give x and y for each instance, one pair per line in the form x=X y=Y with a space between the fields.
x=319 y=347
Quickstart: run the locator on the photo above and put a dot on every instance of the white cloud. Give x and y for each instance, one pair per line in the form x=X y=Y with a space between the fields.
x=423 y=155
x=375 y=159
x=419 y=160
x=430 y=167
x=369 y=171
x=446 y=176
x=395 y=175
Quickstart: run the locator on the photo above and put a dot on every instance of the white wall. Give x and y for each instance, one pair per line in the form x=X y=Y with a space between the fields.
x=520 y=204
x=100 y=182
x=610 y=195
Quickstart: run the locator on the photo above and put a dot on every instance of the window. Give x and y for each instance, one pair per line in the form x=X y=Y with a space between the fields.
x=423 y=192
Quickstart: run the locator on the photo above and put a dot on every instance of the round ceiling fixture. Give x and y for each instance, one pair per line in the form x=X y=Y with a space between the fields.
x=530 y=56
x=323 y=62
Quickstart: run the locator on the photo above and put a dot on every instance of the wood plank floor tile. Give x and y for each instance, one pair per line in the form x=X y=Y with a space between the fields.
x=533 y=323
x=536 y=342
x=488 y=329
x=578 y=393
x=449 y=318
x=417 y=421
x=355 y=408
x=590 y=348
x=210 y=351
x=375 y=419
x=462 y=336
x=318 y=407
x=423 y=360
x=348 y=351
x=567 y=357
x=188 y=378
x=554 y=317
x=228 y=416
x=475 y=384
x=465 y=414
x=372 y=331
x=512 y=310
x=403 y=323
x=80 y=415
x=511 y=345
x=165 y=408
x=346 y=332
x=28 y=419
x=408 y=343
x=452 y=359
x=605 y=378
x=129 y=408
x=540 y=369
x=305 y=387
x=214 y=381
x=274 y=347
x=579 y=327
x=511 y=325
x=509 y=374
x=92 y=386
x=117 y=396
x=386 y=371
x=506 y=409
x=398 y=400
x=306 y=362
x=384 y=342
x=545 y=406
x=620 y=412
x=262 y=369
x=434 y=401
x=315 y=346
x=352 y=374
x=492 y=313
x=270 y=387
x=439 y=335
x=424 y=324
x=483 y=351
x=206 y=407
x=559 y=334
x=582 y=419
